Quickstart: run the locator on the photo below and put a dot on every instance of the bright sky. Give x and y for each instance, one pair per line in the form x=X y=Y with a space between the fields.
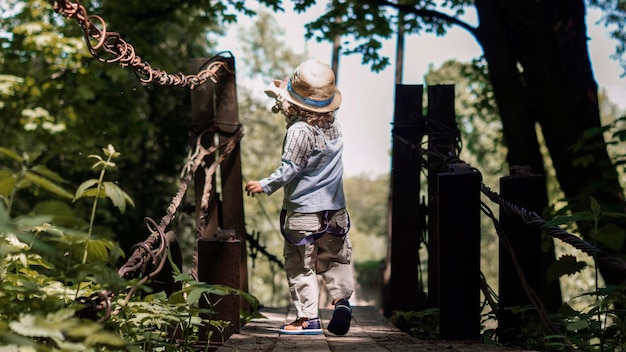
x=367 y=110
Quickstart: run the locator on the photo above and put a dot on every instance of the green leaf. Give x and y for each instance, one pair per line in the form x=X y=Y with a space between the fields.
x=4 y=215
x=33 y=326
x=47 y=185
x=569 y=219
x=110 y=151
x=45 y=172
x=93 y=193
x=220 y=324
x=7 y=183
x=195 y=295
x=37 y=260
x=613 y=214
x=61 y=315
x=103 y=164
x=565 y=265
x=61 y=212
x=98 y=250
x=84 y=330
x=80 y=191
x=11 y=154
x=105 y=338
x=610 y=235
x=577 y=325
x=117 y=196
x=69 y=345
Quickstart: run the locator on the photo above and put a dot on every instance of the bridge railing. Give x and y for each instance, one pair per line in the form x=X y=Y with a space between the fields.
x=448 y=219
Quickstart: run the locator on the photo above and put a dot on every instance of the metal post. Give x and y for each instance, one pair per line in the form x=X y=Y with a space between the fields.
x=219 y=264
x=459 y=253
x=227 y=120
x=220 y=257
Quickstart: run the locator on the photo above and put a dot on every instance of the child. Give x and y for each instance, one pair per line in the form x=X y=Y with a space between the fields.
x=314 y=220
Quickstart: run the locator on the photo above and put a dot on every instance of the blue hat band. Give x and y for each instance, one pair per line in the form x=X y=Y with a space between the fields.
x=307 y=101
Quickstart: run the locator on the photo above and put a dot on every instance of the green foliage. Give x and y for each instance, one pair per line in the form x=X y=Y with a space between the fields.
x=30 y=175
x=41 y=276
x=60 y=102
x=366 y=25
x=104 y=188
x=363 y=25
x=54 y=275
x=422 y=324
x=596 y=323
x=581 y=321
x=565 y=265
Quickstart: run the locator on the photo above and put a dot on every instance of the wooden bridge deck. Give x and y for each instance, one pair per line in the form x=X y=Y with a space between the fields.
x=369 y=332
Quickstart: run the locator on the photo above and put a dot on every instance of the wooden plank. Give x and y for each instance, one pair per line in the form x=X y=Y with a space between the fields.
x=370 y=332
x=257 y=335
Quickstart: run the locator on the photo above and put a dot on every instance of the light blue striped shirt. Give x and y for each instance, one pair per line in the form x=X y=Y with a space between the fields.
x=311 y=169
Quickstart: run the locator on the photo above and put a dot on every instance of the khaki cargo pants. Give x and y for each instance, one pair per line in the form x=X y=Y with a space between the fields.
x=328 y=256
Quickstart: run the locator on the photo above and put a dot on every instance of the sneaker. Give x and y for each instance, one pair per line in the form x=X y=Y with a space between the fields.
x=302 y=326
x=342 y=315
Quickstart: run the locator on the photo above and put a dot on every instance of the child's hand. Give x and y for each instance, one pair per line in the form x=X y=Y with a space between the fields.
x=253 y=187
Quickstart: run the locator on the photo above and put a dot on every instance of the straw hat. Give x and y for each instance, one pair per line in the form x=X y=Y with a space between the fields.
x=311 y=86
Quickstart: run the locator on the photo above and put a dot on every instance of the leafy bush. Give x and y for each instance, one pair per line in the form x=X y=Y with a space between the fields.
x=59 y=287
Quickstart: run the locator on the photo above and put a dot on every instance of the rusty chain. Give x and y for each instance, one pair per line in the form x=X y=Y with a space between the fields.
x=110 y=47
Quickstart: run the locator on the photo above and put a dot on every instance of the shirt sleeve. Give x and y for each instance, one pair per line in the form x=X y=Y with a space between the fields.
x=286 y=172
x=297 y=149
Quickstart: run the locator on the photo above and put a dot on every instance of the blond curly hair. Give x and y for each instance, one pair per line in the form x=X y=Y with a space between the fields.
x=295 y=113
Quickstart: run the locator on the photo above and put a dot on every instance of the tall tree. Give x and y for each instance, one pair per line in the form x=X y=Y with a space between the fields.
x=539 y=67
x=62 y=104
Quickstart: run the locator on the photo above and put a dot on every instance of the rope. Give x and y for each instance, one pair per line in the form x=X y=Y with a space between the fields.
x=534 y=299
x=110 y=47
x=614 y=263
x=227 y=148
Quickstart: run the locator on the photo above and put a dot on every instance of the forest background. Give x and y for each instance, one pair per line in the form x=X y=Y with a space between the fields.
x=59 y=105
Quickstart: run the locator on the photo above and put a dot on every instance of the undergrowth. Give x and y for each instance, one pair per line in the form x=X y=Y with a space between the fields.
x=59 y=285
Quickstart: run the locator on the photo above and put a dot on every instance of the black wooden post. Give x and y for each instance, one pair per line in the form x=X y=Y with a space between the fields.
x=403 y=287
x=442 y=136
x=526 y=190
x=459 y=253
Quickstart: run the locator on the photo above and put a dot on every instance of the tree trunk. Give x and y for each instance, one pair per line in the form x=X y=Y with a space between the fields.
x=540 y=70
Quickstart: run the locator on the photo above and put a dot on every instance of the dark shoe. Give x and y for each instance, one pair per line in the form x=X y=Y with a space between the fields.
x=302 y=326
x=340 y=322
